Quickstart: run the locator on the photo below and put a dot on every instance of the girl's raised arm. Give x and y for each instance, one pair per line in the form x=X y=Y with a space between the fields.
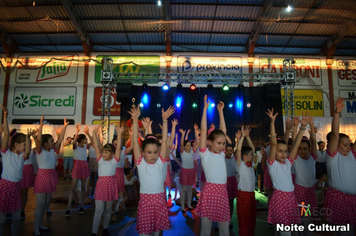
x=203 y=125
x=38 y=141
x=135 y=114
x=86 y=131
x=181 y=147
x=249 y=141
x=272 y=136
x=239 y=146
x=173 y=131
x=6 y=137
x=61 y=136
x=119 y=131
x=289 y=126
x=96 y=142
x=313 y=131
x=77 y=129
x=304 y=122
x=30 y=132
x=334 y=136
x=197 y=140
x=165 y=115
x=222 y=124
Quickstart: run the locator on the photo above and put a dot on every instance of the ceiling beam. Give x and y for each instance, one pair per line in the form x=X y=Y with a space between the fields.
x=329 y=47
x=256 y=31
x=167 y=32
x=78 y=25
x=9 y=45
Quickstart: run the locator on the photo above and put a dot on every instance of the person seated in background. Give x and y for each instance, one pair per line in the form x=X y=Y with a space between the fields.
x=131 y=186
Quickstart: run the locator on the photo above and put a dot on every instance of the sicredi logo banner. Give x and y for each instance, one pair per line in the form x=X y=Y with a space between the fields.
x=306 y=69
x=209 y=64
x=44 y=101
x=346 y=72
x=58 y=70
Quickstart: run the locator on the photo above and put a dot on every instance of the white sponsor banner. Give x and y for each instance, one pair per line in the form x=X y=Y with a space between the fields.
x=346 y=72
x=308 y=70
x=58 y=70
x=350 y=103
x=39 y=101
x=192 y=63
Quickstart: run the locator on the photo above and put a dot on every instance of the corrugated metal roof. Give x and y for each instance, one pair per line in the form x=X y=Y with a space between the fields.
x=238 y=12
x=345 y=52
x=144 y=11
x=307 y=41
x=12 y=27
x=347 y=43
x=10 y=13
x=70 y=48
x=279 y=28
x=256 y=2
x=193 y=11
x=229 y=39
x=37 y=26
x=111 y=1
x=299 y=3
x=193 y=1
x=148 y=48
x=305 y=51
x=38 y=2
x=334 y=15
x=321 y=29
x=54 y=12
x=272 y=40
x=64 y=38
x=28 y=39
x=192 y=25
x=233 y=26
x=344 y=4
x=143 y=25
x=149 y=38
x=1 y=50
x=111 y=48
x=187 y=38
x=102 y=38
x=188 y=48
x=269 y=50
x=236 y=49
x=101 y=11
x=38 y=48
x=103 y=25
x=280 y=13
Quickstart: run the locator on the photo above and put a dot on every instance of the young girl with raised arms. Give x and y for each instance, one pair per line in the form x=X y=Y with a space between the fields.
x=152 y=213
x=13 y=161
x=213 y=204
x=81 y=168
x=46 y=178
x=341 y=165
x=106 y=188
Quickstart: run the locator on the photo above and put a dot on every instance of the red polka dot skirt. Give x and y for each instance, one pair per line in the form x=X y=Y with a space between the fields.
x=106 y=188
x=231 y=187
x=168 y=182
x=267 y=182
x=46 y=181
x=10 y=197
x=306 y=195
x=28 y=177
x=120 y=178
x=81 y=170
x=152 y=213
x=214 y=203
x=283 y=208
x=187 y=176
x=340 y=207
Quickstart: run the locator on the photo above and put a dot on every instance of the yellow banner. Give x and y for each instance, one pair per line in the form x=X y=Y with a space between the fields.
x=307 y=100
x=112 y=122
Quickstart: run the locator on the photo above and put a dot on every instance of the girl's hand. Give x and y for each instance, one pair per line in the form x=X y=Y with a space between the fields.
x=77 y=127
x=175 y=122
x=309 y=118
x=296 y=121
x=65 y=121
x=96 y=130
x=146 y=122
x=166 y=114
x=271 y=116
x=30 y=132
x=196 y=126
x=238 y=134
x=212 y=126
x=135 y=112
x=289 y=124
x=188 y=131
x=182 y=131
x=41 y=120
x=339 y=105
x=4 y=109
x=197 y=132
x=245 y=131
x=206 y=102
x=315 y=130
x=220 y=106
x=34 y=135
x=305 y=119
x=86 y=130
x=119 y=129
x=58 y=131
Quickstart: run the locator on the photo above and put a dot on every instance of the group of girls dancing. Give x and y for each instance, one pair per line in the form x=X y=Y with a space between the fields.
x=219 y=162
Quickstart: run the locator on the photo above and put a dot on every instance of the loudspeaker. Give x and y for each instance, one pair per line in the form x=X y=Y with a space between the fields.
x=123 y=92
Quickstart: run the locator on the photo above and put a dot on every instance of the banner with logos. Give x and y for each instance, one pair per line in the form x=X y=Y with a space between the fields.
x=115 y=109
x=191 y=63
x=346 y=72
x=350 y=103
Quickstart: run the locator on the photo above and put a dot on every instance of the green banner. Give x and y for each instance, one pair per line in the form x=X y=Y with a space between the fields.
x=129 y=64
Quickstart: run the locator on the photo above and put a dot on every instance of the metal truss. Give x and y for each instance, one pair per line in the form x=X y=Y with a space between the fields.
x=109 y=79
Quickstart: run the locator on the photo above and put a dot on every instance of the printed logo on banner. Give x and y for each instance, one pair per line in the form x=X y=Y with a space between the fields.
x=350 y=103
x=112 y=122
x=98 y=101
x=51 y=71
x=44 y=101
x=306 y=69
x=346 y=72
x=209 y=64
x=307 y=100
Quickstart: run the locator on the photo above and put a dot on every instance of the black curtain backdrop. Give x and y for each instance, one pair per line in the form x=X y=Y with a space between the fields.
x=260 y=98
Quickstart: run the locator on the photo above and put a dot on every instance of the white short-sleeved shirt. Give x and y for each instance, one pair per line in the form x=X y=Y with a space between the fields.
x=281 y=174
x=46 y=159
x=152 y=176
x=107 y=168
x=187 y=159
x=230 y=166
x=12 y=165
x=121 y=162
x=132 y=180
x=31 y=158
x=80 y=153
x=321 y=156
x=92 y=152
x=247 y=178
x=214 y=166
x=259 y=156
x=174 y=152
x=196 y=155
x=342 y=171
x=305 y=171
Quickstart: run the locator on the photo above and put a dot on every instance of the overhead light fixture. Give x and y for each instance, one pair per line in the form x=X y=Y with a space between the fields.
x=165 y=86
x=144 y=85
x=179 y=86
x=225 y=87
x=212 y=104
x=193 y=87
x=210 y=86
x=240 y=86
x=231 y=105
x=289 y=8
x=194 y=105
x=248 y=105
x=159 y=3
x=141 y=104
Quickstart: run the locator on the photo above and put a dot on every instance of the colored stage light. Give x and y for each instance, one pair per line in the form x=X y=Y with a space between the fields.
x=225 y=87
x=230 y=105
x=212 y=104
x=193 y=87
x=165 y=86
x=248 y=105
x=194 y=105
x=179 y=101
x=141 y=104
